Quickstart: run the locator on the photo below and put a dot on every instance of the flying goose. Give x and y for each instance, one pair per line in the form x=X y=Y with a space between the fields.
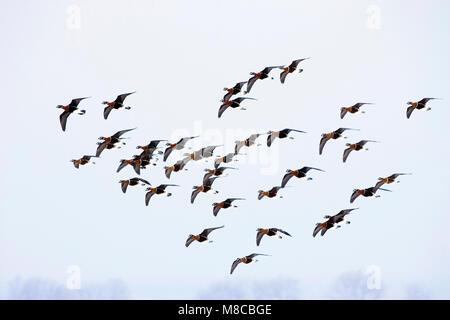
x=390 y=179
x=299 y=173
x=272 y=193
x=82 y=161
x=235 y=103
x=133 y=182
x=111 y=142
x=116 y=104
x=353 y=109
x=355 y=146
x=418 y=105
x=202 y=237
x=292 y=68
x=280 y=134
x=260 y=232
x=263 y=74
x=369 y=192
x=233 y=91
x=247 y=259
x=224 y=205
x=72 y=107
x=161 y=189
x=205 y=187
x=332 y=135
x=176 y=146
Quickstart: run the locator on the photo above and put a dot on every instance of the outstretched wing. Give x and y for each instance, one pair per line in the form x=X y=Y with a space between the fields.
x=323 y=141
x=238 y=146
x=167 y=172
x=206 y=177
x=122 y=165
x=234 y=265
x=282 y=231
x=379 y=184
x=148 y=196
x=206 y=232
x=194 y=195
x=63 y=119
x=285 y=180
x=124 y=187
x=167 y=152
x=270 y=138
x=121 y=98
x=355 y=195
x=76 y=101
x=144 y=181
x=346 y=153
x=283 y=76
x=250 y=83
x=106 y=112
x=216 y=210
x=317 y=229
x=259 y=236
x=409 y=111
x=251 y=256
x=222 y=109
x=343 y=112
x=189 y=241
x=100 y=148
x=119 y=133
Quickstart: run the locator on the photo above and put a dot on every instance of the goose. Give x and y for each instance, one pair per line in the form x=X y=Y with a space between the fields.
x=418 y=105
x=178 y=166
x=247 y=142
x=150 y=148
x=324 y=227
x=260 y=232
x=280 y=134
x=263 y=74
x=369 y=192
x=224 y=205
x=272 y=193
x=111 y=142
x=202 y=237
x=225 y=159
x=353 y=109
x=205 y=187
x=176 y=146
x=339 y=218
x=299 y=173
x=246 y=260
x=216 y=172
x=82 y=161
x=133 y=182
x=233 y=91
x=235 y=103
x=72 y=107
x=337 y=134
x=116 y=104
x=356 y=147
x=161 y=189
x=292 y=68
x=390 y=179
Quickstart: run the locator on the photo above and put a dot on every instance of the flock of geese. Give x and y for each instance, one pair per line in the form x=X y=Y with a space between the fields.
x=149 y=156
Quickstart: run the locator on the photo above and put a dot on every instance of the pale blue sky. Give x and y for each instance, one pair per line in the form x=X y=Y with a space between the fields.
x=178 y=56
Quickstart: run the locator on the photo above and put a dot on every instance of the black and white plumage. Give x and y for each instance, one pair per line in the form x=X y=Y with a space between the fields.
x=280 y=135
x=159 y=190
x=224 y=205
x=72 y=107
x=235 y=103
x=133 y=182
x=116 y=104
x=292 y=68
x=202 y=237
x=260 y=232
x=247 y=259
x=299 y=173
x=337 y=134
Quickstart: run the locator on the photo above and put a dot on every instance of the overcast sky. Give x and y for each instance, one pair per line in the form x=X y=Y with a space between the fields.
x=177 y=56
